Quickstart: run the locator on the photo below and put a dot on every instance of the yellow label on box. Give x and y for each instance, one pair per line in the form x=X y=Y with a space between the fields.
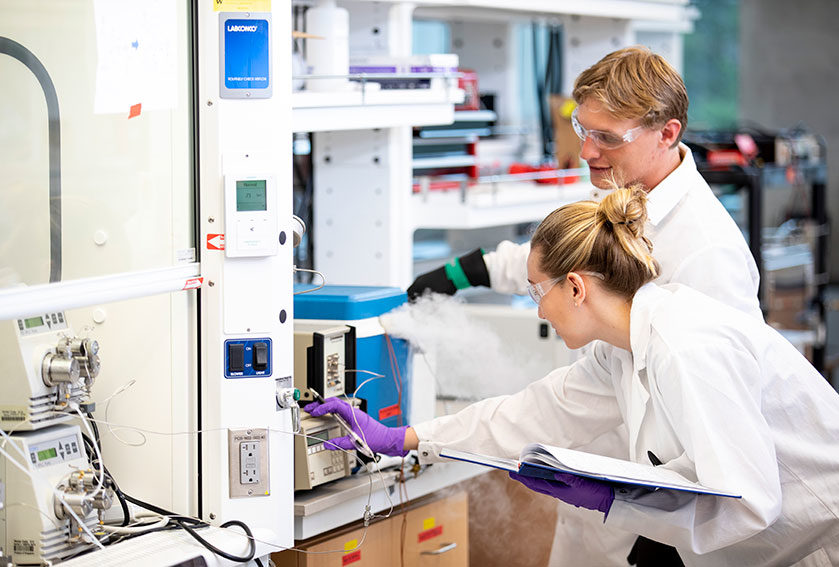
x=350 y=545
x=428 y=523
x=241 y=5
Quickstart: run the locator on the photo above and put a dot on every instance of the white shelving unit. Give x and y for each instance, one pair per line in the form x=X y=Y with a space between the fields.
x=492 y=205
x=355 y=110
x=365 y=212
x=672 y=11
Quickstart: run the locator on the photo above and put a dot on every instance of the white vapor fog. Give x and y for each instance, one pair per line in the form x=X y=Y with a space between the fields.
x=468 y=359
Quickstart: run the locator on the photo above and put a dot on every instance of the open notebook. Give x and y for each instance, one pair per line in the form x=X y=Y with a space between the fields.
x=542 y=461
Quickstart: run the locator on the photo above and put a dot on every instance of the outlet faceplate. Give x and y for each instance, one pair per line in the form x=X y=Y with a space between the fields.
x=248 y=457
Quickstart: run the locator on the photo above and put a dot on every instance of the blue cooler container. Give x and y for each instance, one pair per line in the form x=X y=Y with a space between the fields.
x=360 y=307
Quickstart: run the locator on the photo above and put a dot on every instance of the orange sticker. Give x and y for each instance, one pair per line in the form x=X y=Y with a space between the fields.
x=215 y=242
x=193 y=283
x=135 y=110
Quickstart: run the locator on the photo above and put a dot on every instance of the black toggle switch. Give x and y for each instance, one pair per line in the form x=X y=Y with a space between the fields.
x=235 y=357
x=260 y=356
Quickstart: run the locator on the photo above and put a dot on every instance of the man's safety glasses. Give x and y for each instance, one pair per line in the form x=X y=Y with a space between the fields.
x=602 y=138
x=539 y=290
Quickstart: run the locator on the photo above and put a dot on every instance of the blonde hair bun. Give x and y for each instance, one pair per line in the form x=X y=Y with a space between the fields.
x=625 y=209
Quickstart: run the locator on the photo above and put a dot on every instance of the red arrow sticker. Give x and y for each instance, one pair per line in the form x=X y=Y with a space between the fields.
x=192 y=283
x=215 y=242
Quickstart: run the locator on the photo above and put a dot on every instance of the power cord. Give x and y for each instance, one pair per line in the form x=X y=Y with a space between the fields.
x=216 y=550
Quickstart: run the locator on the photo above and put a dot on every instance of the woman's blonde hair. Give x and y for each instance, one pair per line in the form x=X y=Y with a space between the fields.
x=605 y=237
x=634 y=83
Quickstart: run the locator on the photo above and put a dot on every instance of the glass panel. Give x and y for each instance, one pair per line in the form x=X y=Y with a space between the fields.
x=712 y=59
x=95 y=149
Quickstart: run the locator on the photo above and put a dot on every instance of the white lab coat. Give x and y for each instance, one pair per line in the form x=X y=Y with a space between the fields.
x=696 y=243
x=717 y=396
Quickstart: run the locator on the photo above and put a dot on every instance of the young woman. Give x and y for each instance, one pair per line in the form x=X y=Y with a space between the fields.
x=707 y=390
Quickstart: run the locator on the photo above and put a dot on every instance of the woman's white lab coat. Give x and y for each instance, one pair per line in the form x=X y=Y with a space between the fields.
x=717 y=396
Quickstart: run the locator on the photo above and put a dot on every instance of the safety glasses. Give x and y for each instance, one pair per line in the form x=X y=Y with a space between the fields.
x=602 y=138
x=539 y=290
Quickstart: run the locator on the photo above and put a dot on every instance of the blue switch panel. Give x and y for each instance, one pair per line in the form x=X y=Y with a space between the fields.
x=247 y=358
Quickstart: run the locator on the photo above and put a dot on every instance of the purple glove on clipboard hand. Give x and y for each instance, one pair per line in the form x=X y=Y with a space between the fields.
x=380 y=438
x=579 y=491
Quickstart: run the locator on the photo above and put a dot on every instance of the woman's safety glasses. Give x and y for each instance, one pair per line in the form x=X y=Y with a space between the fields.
x=539 y=290
x=602 y=138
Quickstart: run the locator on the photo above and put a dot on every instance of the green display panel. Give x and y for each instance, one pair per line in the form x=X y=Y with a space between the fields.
x=316 y=438
x=251 y=195
x=50 y=453
x=33 y=322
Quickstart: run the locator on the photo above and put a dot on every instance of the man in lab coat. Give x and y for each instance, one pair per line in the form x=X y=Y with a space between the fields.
x=631 y=115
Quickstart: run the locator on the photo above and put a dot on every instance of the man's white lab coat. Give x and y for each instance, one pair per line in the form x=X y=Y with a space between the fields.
x=696 y=243
x=717 y=396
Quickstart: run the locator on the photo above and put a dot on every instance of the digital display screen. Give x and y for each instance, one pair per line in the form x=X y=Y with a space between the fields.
x=50 y=453
x=318 y=437
x=33 y=322
x=251 y=195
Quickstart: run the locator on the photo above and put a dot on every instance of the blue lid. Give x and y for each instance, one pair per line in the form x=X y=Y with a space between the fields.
x=346 y=302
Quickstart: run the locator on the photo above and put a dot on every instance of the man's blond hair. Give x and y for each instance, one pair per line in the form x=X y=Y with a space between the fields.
x=633 y=83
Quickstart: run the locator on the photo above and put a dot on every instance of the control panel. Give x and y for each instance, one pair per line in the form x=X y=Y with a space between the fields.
x=250 y=216
x=247 y=358
x=314 y=464
x=55 y=451
x=41 y=323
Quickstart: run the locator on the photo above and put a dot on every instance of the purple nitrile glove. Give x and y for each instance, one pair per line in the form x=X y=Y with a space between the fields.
x=576 y=490
x=380 y=438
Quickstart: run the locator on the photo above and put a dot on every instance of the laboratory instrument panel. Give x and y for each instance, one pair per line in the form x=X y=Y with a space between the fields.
x=48 y=371
x=314 y=464
x=322 y=355
x=40 y=524
x=250 y=216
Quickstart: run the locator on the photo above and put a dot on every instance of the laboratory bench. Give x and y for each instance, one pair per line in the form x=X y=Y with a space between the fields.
x=425 y=518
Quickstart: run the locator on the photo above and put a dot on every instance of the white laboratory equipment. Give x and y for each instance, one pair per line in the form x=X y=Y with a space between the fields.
x=47 y=371
x=171 y=144
x=50 y=489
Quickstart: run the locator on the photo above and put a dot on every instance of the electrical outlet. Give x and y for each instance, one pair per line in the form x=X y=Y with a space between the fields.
x=248 y=460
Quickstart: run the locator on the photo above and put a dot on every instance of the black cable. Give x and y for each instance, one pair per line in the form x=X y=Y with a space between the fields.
x=180 y=521
x=258 y=562
x=164 y=512
x=91 y=455
x=217 y=551
x=95 y=429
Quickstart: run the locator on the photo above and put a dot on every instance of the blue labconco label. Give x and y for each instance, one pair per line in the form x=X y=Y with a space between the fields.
x=246 y=54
